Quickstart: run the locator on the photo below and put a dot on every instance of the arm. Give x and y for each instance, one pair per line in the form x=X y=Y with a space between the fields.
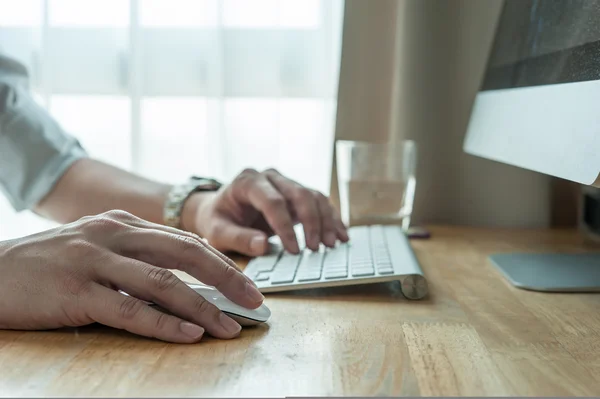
x=90 y=187
x=69 y=276
x=44 y=169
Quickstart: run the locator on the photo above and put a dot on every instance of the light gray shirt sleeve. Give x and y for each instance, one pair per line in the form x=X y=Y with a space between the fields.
x=34 y=150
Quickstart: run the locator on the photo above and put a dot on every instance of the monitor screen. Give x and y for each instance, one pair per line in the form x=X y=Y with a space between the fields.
x=538 y=106
x=544 y=42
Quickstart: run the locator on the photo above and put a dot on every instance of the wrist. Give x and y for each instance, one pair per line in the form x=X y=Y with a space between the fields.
x=182 y=196
x=192 y=210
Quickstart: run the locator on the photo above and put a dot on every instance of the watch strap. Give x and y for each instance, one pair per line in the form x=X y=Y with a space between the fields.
x=180 y=193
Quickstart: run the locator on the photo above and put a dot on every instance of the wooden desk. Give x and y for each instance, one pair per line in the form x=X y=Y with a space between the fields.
x=475 y=335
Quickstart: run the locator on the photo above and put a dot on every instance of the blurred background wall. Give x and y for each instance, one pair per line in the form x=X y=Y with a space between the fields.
x=410 y=69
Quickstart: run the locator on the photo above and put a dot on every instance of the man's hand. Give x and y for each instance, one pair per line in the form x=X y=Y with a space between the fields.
x=241 y=216
x=72 y=275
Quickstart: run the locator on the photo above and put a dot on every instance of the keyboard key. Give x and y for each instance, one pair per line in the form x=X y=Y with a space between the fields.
x=310 y=266
x=311 y=259
x=362 y=267
x=263 y=264
x=335 y=274
x=267 y=267
x=381 y=256
x=362 y=264
x=285 y=270
x=331 y=263
x=288 y=261
x=360 y=254
x=309 y=277
x=262 y=276
x=363 y=272
x=282 y=279
x=336 y=256
x=385 y=271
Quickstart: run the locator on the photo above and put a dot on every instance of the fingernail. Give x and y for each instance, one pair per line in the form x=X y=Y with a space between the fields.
x=343 y=234
x=250 y=281
x=295 y=248
x=314 y=242
x=257 y=244
x=254 y=293
x=229 y=324
x=329 y=239
x=191 y=330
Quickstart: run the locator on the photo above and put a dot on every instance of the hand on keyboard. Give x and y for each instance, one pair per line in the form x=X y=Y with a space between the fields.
x=374 y=254
x=240 y=216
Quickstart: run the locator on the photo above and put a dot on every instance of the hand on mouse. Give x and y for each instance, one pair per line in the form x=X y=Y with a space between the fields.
x=241 y=215
x=70 y=276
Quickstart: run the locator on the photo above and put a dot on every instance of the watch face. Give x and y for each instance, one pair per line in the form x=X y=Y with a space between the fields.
x=204 y=184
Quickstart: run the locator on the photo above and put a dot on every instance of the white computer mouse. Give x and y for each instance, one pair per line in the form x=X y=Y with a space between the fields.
x=244 y=316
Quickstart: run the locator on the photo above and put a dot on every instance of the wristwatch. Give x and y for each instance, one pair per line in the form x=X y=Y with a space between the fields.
x=180 y=193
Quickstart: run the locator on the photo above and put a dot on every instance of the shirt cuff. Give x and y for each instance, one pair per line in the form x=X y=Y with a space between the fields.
x=48 y=177
x=34 y=150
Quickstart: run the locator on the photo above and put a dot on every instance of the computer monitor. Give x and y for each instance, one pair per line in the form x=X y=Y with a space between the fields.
x=538 y=108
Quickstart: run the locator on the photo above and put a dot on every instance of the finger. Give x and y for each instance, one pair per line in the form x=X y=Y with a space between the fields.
x=172 y=230
x=244 y=240
x=262 y=195
x=134 y=221
x=143 y=224
x=172 y=251
x=221 y=255
x=160 y=286
x=340 y=227
x=304 y=204
x=226 y=259
x=262 y=225
x=342 y=233
x=116 y=310
x=329 y=234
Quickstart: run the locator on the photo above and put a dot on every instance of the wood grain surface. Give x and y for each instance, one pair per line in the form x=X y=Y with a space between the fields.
x=474 y=335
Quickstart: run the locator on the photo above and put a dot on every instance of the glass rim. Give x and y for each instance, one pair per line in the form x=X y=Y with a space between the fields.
x=366 y=143
x=405 y=147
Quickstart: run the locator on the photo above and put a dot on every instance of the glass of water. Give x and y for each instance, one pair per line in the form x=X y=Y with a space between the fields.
x=376 y=182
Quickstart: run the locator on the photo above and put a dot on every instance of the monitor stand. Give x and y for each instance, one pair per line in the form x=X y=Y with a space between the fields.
x=551 y=272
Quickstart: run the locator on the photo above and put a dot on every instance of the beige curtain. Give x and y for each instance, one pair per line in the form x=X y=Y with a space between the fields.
x=411 y=69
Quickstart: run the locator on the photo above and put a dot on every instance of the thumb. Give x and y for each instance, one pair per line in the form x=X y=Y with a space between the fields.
x=241 y=239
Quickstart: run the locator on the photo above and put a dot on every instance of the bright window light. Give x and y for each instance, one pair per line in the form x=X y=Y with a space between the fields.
x=221 y=85
x=38 y=98
x=89 y=13
x=271 y=13
x=300 y=13
x=20 y=13
x=174 y=144
x=178 y=13
x=101 y=123
x=20 y=224
x=248 y=14
x=252 y=131
x=297 y=117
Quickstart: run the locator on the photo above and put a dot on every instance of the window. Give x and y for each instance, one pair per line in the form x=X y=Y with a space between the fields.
x=169 y=88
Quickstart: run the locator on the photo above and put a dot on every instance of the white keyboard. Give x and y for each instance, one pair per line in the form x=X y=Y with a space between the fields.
x=373 y=254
